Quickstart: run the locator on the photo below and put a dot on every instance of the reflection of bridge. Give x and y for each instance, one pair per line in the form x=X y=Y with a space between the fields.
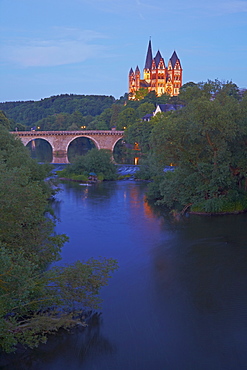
x=60 y=140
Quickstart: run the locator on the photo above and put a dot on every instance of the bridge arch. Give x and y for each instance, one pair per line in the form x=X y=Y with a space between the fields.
x=88 y=137
x=40 y=149
x=114 y=144
x=26 y=142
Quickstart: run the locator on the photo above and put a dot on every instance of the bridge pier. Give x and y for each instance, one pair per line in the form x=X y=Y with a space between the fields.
x=59 y=157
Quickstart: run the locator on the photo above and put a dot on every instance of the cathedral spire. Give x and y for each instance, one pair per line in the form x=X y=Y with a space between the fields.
x=157 y=58
x=149 y=56
x=174 y=59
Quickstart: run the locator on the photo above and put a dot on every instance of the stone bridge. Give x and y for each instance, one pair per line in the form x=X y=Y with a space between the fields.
x=60 y=140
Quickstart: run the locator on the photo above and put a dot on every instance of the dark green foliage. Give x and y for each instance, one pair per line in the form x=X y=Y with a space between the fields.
x=126 y=118
x=139 y=132
x=76 y=112
x=145 y=108
x=98 y=161
x=4 y=120
x=116 y=109
x=29 y=112
x=206 y=141
x=149 y=168
x=34 y=301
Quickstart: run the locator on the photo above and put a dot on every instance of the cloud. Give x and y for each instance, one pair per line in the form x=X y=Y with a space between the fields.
x=149 y=8
x=66 y=46
x=234 y=7
x=127 y=7
x=221 y=7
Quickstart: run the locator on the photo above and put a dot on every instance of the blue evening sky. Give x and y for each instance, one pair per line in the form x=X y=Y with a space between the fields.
x=52 y=47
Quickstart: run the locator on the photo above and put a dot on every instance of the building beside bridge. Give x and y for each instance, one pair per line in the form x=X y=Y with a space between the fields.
x=157 y=76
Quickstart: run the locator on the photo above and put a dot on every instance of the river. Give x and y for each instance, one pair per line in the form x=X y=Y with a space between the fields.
x=179 y=298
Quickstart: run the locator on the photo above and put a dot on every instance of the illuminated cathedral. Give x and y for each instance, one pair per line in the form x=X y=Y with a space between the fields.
x=156 y=75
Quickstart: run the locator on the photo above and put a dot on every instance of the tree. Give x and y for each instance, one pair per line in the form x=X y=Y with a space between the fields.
x=145 y=108
x=116 y=109
x=29 y=112
x=126 y=118
x=98 y=161
x=35 y=300
x=206 y=142
x=76 y=121
x=139 y=133
x=141 y=93
x=4 y=120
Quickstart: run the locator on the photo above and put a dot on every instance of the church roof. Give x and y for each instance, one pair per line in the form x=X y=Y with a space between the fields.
x=174 y=58
x=157 y=58
x=137 y=69
x=149 y=57
x=144 y=83
x=131 y=71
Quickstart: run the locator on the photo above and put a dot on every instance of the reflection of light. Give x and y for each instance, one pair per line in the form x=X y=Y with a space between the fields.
x=148 y=210
x=85 y=194
x=136 y=160
x=33 y=144
x=136 y=146
x=137 y=202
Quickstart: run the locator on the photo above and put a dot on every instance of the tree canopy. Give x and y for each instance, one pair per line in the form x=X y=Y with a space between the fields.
x=79 y=112
x=97 y=161
x=35 y=299
x=29 y=113
x=206 y=143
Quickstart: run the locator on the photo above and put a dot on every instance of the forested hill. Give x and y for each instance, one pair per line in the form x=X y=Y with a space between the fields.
x=29 y=112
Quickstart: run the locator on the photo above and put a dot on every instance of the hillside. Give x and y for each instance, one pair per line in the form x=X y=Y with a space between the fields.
x=29 y=112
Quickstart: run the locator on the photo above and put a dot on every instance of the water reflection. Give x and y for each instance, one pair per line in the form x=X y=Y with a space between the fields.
x=178 y=300
x=200 y=281
x=66 y=350
x=92 y=191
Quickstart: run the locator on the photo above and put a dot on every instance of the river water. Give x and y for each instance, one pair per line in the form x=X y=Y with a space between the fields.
x=179 y=298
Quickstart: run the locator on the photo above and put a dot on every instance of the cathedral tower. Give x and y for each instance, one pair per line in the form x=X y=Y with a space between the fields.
x=156 y=75
x=148 y=64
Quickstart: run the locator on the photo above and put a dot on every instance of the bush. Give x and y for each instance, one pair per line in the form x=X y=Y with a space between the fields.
x=98 y=161
x=221 y=205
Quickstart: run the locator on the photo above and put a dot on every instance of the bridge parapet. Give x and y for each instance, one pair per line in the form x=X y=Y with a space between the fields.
x=78 y=132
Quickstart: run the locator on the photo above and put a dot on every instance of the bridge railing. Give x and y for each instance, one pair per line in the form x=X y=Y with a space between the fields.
x=77 y=132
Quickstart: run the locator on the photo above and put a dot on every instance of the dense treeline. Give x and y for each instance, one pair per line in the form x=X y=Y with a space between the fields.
x=35 y=299
x=75 y=112
x=205 y=142
x=27 y=113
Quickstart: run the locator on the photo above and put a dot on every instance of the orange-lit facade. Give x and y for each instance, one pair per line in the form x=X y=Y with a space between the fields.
x=157 y=76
